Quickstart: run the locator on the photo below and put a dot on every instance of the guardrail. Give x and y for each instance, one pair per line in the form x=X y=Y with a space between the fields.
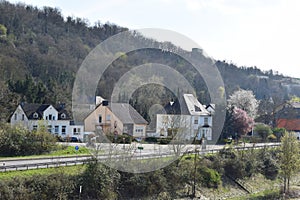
x=5 y=168
x=79 y=160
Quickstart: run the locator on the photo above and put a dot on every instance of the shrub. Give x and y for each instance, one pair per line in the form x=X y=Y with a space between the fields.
x=151 y=139
x=164 y=140
x=19 y=141
x=209 y=177
x=272 y=137
x=119 y=139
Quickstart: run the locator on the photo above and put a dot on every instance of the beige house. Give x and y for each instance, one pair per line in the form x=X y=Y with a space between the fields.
x=117 y=118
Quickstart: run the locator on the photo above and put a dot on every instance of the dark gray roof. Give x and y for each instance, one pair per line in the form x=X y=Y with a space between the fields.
x=127 y=114
x=31 y=108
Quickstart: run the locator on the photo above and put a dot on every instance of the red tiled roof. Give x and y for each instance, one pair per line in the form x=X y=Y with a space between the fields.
x=289 y=124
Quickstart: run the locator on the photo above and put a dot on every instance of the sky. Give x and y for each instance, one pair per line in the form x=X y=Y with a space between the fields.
x=261 y=33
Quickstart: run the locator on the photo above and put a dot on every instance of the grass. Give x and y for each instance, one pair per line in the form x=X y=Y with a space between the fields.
x=70 y=170
x=69 y=150
x=267 y=194
x=61 y=150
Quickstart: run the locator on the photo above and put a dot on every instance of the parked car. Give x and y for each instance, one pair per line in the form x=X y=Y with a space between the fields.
x=72 y=139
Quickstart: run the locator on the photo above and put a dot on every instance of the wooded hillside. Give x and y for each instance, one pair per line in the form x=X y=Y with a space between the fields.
x=40 y=53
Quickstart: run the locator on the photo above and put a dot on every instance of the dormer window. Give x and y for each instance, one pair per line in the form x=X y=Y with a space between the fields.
x=63 y=116
x=35 y=115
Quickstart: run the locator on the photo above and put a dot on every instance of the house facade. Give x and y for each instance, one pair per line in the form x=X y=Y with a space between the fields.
x=117 y=118
x=186 y=117
x=56 y=119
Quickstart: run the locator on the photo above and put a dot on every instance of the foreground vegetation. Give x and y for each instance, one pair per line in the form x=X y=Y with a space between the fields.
x=17 y=141
x=213 y=175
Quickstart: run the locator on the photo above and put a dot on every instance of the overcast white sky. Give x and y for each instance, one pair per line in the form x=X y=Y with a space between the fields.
x=262 y=33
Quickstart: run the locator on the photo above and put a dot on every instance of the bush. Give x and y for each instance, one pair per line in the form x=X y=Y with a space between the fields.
x=164 y=140
x=19 y=141
x=209 y=177
x=127 y=138
x=263 y=130
x=151 y=139
x=272 y=137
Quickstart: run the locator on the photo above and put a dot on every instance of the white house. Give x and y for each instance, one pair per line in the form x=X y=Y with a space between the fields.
x=187 y=117
x=56 y=119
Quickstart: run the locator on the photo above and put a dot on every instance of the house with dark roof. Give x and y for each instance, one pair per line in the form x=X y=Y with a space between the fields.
x=117 y=118
x=187 y=117
x=56 y=118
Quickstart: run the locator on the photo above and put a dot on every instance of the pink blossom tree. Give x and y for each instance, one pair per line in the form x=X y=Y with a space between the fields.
x=242 y=122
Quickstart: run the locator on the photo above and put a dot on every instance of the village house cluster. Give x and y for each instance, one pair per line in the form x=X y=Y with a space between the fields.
x=186 y=115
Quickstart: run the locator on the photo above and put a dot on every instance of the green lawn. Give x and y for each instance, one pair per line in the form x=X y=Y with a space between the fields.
x=71 y=170
x=267 y=194
x=61 y=150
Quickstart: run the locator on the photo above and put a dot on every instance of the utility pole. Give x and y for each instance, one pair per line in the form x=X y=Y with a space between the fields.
x=195 y=168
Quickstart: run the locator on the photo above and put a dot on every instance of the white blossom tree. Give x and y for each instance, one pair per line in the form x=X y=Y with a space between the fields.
x=245 y=100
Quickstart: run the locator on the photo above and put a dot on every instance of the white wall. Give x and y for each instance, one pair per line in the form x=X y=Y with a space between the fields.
x=18 y=114
x=30 y=124
x=50 y=111
x=186 y=123
x=183 y=122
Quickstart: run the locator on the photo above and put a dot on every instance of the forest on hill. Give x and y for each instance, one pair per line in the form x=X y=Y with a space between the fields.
x=41 y=51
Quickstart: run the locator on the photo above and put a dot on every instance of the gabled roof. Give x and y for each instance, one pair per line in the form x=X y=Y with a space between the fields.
x=212 y=106
x=126 y=113
x=31 y=108
x=289 y=124
x=194 y=106
x=188 y=104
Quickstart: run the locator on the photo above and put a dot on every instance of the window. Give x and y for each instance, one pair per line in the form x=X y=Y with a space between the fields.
x=100 y=119
x=16 y=116
x=205 y=120
x=34 y=127
x=196 y=121
x=76 y=131
x=63 y=130
x=50 y=117
x=35 y=115
x=56 y=129
x=139 y=129
x=63 y=116
x=23 y=117
x=50 y=129
x=53 y=118
x=108 y=117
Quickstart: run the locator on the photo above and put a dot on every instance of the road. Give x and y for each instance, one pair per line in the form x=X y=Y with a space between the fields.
x=117 y=151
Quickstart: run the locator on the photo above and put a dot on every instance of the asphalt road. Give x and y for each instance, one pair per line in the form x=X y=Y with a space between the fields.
x=116 y=151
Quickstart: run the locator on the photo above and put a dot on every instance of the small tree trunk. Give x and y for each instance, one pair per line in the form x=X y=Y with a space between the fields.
x=288 y=185
x=284 y=185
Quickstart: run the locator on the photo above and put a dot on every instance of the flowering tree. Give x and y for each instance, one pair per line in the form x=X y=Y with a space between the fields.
x=242 y=123
x=245 y=100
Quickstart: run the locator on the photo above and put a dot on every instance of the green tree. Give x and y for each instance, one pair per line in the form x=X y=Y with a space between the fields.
x=279 y=132
x=99 y=181
x=19 y=141
x=3 y=30
x=263 y=130
x=289 y=158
